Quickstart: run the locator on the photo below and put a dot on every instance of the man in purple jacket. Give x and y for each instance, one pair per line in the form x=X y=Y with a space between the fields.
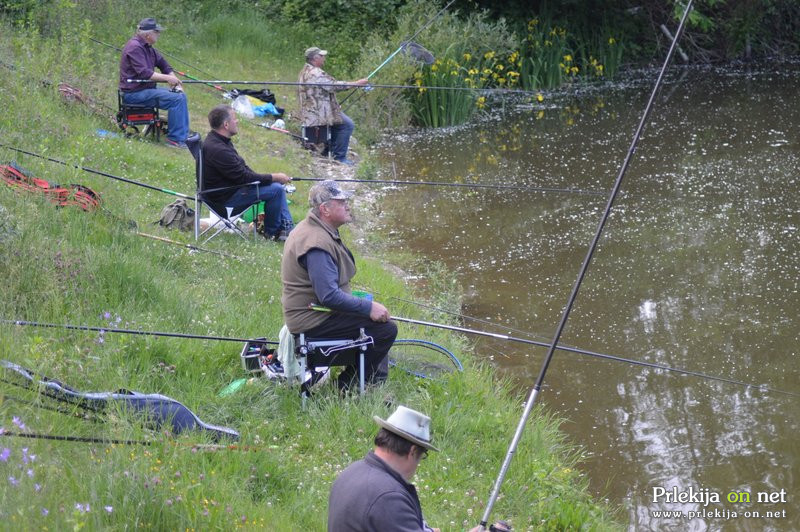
x=139 y=61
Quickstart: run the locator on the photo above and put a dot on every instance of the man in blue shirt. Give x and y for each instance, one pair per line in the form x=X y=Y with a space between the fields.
x=139 y=61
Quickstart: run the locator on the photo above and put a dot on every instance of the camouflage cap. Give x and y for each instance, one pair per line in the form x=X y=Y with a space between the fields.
x=325 y=191
x=311 y=52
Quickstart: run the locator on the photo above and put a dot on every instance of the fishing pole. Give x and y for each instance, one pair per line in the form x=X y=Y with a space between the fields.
x=162 y=53
x=445 y=184
x=281 y=130
x=137 y=332
x=578 y=351
x=98 y=172
x=80 y=439
x=404 y=44
x=350 y=85
x=459 y=315
x=190 y=246
x=581 y=274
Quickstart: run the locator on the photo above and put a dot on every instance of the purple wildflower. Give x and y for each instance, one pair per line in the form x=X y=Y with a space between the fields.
x=4 y=454
x=13 y=481
x=108 y=509
x=82 y=508
x=37 y=487
x=45 y=511
x=168 y=502
x=18 y=422
x=30 y=473
x=106 y=315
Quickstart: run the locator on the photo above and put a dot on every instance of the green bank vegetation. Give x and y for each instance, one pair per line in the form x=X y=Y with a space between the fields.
x=62 y=265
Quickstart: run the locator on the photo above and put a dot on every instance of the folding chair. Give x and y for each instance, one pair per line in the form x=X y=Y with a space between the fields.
x=129 y=117
x=227 y=217
x=318 y=355
x=316 y=135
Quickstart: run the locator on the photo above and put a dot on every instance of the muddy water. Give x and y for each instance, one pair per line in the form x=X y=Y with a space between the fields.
x=697 y=269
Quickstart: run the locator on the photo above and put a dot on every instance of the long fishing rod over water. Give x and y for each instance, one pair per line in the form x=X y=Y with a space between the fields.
x=350 y=85
x=98 y=172
x=581 y=274
x=594 y=354
x=465 y=185
x=411 y=321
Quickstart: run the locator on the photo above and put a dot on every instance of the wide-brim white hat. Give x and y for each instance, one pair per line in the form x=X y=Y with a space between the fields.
x=409 y=424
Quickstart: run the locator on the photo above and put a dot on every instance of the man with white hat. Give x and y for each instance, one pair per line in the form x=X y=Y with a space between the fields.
x=318 y=104
x=376 y=494
x=316 y=268
x=139 y=60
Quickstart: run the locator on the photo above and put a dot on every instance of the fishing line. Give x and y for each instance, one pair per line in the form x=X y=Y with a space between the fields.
x=98 y=172
x=133 y=331
x=581 y=274
x=466 y=185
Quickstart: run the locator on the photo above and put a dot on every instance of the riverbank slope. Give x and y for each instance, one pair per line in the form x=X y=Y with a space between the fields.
x=63 y=265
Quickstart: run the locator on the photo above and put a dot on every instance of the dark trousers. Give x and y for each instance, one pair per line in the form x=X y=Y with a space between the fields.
x=376 y=361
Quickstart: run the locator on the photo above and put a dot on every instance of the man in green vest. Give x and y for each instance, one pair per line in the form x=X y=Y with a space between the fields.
x=317 y=268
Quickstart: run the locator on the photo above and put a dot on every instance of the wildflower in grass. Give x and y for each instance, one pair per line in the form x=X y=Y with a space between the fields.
x=168 y=502
x=37 y=487
x=18 y=422
x=611 y=40
x=4 y=454
x=82 y=508
x=481 y=102
x=489 y=55
x=568 y=58
x=27 y=457
x=108 y=509
x=29 y=472
x=467 y=57
x=45 y=511
x=106 y=315
x=13 y=481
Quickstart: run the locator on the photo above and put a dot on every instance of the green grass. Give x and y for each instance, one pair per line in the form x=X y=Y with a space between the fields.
x=63 y=265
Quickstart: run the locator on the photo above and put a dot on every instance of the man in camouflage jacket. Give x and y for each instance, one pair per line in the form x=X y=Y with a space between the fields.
x=318 y=105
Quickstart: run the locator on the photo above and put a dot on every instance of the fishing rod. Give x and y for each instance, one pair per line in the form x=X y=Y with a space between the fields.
x=136 y=332
x=184 y=74
x=581 y=274
x=98 y=172
x=162 y=53
x=445 y=184
x=281 y=130
x=190 y=246
x=578 y=351
x=80 y=439
x=459 y=315
x=350 y=85
x=404 y=44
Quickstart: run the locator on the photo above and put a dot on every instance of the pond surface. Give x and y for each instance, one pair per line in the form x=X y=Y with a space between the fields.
x=697 y=269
